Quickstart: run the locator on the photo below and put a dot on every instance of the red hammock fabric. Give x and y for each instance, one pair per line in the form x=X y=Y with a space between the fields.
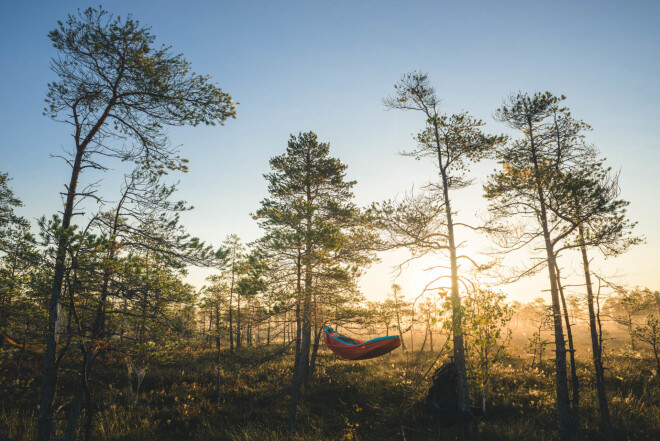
x=351 y=349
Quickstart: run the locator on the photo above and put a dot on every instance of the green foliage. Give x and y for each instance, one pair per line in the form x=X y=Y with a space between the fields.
x=8 y=202
x=454 y=141
x=110 y=69
x=312 y=224
x=539 y=315
x=626 y=307
x=19 y=258
x=649 y=333
x=532 y=165
x=485 y=319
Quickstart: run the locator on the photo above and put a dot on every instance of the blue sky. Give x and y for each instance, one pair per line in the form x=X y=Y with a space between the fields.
x=325 y=66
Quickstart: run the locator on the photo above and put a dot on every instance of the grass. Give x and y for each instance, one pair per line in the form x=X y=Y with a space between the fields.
x=179 y=399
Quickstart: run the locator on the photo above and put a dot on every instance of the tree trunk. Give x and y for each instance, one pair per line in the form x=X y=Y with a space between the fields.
x=231 y=321
x=596 y=347
x=426 y=335
x=315 y=350
x=466 y=430
x=76 y=405
x=98 y=333
x=295 y=397
x=217 y=325
x=430 y=331
x=412 y=329
x=631 y=332
x=299 y=296
x=306 y=343
x=397 y=310
x=49 y=381
x=301 y=370
x=238 y=320
x=298 y=341
x=574 y=378
x=563 y=402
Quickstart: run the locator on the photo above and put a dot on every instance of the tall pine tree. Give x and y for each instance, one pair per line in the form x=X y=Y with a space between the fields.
x=310 y=220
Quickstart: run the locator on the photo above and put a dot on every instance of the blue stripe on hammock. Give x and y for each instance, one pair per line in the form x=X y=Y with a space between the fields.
x=358 y=344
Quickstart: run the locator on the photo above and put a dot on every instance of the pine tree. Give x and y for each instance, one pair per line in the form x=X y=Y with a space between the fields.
x=311 y=222
x=114 y=83
x=534 y=186
x=427 y=223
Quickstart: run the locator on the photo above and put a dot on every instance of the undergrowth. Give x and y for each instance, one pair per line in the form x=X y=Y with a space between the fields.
x=189 y=396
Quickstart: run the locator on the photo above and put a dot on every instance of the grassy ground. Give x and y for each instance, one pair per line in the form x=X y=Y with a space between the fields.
x=179 y=399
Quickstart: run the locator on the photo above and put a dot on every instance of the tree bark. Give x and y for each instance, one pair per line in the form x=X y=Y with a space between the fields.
x=430 y=329
x=306 y=343
x=397 y=309
x=596 y=348
x=563 y=401
x=315 y=350
x=49 y=381
x=301 y=369
x=301 y=364
x=574 y=377
x=217 y=324
x=231 y=307
x=466 y=430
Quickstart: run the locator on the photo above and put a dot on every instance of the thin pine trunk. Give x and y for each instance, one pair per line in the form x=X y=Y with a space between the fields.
x=238 y=320
x=574 y=377
x=465 y=432
x=231 y=321
x=596 y=346
x=315 y=350
x=561 y=379
x=301 y=369
x=430 y=329
x=217 y=325
x=566 y=431
x=398 y=319
x=412 y=330
x=51 y=366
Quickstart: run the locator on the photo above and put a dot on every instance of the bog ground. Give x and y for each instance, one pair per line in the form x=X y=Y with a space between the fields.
x=346 y=401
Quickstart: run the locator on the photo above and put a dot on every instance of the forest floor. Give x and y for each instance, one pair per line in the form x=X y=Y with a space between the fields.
x=185 y=395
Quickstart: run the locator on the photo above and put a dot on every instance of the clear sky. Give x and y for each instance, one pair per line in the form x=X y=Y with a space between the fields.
x=325 y=66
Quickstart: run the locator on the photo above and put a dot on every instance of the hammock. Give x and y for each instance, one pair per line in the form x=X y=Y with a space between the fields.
x=20 y=345
x=9 y=340
x=97 y=345
x=352 y=349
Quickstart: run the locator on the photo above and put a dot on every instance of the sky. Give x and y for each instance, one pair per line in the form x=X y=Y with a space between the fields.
x=325 y=67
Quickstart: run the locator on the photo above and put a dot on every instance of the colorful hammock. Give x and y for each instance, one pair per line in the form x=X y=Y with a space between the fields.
x=352 y=349
x=97 y=345
x=9 y=340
